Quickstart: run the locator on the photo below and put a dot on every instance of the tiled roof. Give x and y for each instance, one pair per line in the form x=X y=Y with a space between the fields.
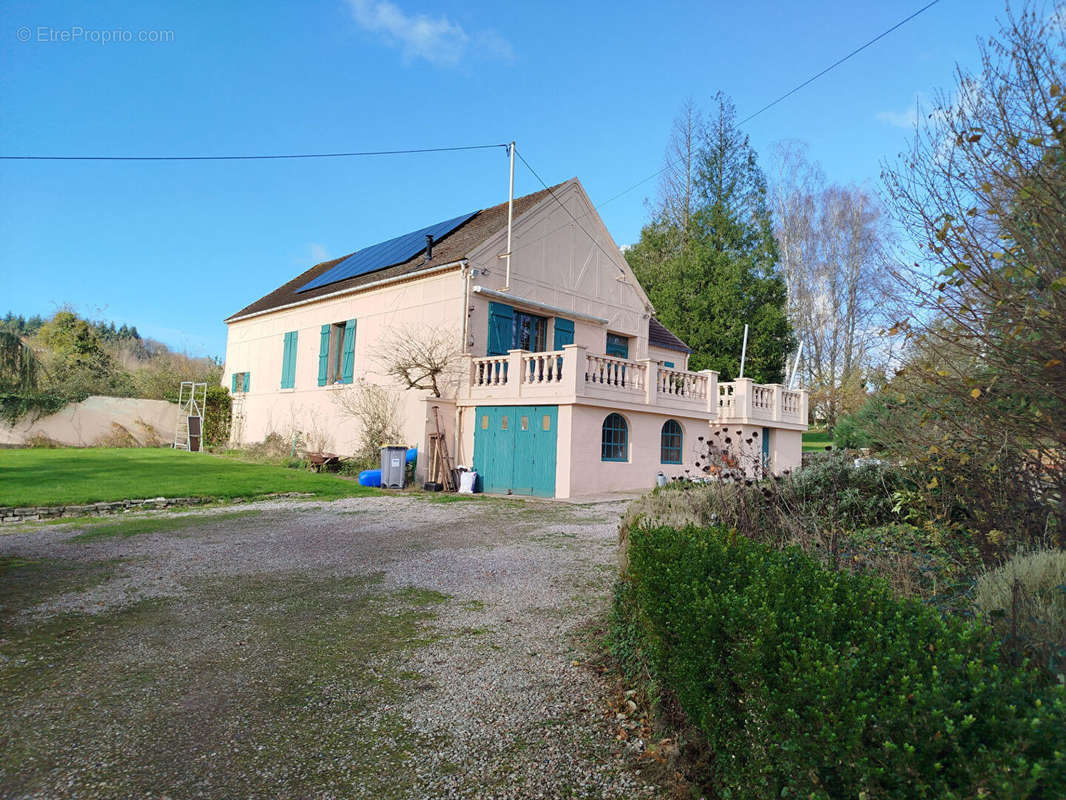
x=448 y=249
x=660 y=336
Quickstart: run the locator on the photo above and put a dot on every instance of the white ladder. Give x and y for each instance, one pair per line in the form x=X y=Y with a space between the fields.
x=189 y=429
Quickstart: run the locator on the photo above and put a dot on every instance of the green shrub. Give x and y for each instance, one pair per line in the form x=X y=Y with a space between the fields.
x=815 y=683
x=356 y=464
x=849 y=435
x=831 y=495
x=845 y=496
x=217 y=415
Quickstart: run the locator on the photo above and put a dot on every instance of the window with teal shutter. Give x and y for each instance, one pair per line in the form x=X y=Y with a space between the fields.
x=336 y=353
x=247 y=381
x=348 y=362
x=288 y=361
x=233 y=387
x=323 y=355
x=501 y=322
x=564 y=333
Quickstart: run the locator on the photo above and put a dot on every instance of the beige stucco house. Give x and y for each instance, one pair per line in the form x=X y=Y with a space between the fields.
x=567 y=384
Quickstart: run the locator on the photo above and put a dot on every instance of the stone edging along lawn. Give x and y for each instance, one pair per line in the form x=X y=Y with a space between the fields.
x=31 y=513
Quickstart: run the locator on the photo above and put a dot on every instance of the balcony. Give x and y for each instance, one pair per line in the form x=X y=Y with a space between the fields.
x=746 y=402
x=573 y=375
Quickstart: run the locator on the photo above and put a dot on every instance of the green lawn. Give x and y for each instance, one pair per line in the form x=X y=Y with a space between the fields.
x=817 y=440
x=76 y=476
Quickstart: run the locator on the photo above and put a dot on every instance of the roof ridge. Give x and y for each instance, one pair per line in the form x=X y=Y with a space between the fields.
x=452 y=247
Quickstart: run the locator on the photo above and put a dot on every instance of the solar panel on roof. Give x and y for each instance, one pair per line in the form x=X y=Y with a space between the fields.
x=385 y=254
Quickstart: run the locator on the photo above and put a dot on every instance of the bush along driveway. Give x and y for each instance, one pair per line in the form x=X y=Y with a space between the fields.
x=377 y=647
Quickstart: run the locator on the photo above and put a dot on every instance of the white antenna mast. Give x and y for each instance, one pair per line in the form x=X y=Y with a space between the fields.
x=743 y=352
x=510 y=216
x=795 y=368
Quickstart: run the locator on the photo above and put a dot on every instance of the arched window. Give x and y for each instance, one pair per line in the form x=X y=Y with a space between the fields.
x=670 y=452
x=615 y=441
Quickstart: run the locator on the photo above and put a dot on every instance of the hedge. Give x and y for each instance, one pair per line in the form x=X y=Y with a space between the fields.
x=813 y=683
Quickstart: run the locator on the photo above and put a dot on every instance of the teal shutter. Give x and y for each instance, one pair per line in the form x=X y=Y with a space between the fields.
x=348 y=363
x=247 y=381
x=233 y=388
x=501 y=325
x=323 y=356
x=288 y=361
x=564 y=333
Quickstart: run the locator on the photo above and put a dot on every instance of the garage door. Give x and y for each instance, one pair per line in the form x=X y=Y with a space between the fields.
x=514 y=449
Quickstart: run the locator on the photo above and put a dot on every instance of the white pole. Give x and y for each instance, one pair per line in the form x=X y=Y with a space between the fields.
x=510 y=214
x=795 y=368
x=743 y=352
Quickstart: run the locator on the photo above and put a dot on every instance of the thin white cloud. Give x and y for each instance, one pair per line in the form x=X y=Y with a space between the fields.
x=899 y=119
x=437 y=40
x=907 y=118
x=318 y=253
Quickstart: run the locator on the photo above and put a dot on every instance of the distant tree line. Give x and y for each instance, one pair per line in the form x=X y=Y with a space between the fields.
x=47 y=363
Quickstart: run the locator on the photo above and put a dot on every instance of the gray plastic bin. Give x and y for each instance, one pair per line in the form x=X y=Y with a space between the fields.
x=393 y=457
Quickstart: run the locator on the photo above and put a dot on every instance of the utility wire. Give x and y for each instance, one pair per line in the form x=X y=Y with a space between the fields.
x=785 y=96
x=567 y=210
x=746 y=119
x=838 y=62
x=254 y=157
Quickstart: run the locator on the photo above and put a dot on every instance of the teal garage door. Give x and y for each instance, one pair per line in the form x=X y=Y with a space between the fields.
x=514 y=449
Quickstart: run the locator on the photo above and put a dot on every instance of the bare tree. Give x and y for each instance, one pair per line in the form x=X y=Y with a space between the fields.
x=425 y=358
x=377 y=408
x=677 y=201
x=833 y=243
x=796 y=182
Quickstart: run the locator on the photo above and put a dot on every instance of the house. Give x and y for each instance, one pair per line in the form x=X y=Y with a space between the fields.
x=567 y=383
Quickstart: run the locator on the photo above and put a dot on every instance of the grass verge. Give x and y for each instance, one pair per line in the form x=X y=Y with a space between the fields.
x=817 y=440
x=76 y=476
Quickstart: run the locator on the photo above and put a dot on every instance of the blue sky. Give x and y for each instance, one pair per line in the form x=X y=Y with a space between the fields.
x=586 y=89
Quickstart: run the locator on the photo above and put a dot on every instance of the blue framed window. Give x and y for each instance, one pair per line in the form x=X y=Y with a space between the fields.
x=528 y=332
x=670 y=451
x=615 y=439
x=617 y=346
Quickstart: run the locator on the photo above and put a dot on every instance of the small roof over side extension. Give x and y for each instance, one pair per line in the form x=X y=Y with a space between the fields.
x=660 y=336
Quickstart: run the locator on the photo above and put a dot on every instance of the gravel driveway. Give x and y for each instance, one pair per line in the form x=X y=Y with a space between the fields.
x=372 y=647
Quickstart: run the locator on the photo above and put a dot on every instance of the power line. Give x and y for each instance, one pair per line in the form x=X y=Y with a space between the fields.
x=785 y=96
x=747 y=119
x=567 y=210
x=838 y=62
x=254 y=157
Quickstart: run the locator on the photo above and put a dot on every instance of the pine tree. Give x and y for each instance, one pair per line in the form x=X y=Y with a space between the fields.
x=709 y=277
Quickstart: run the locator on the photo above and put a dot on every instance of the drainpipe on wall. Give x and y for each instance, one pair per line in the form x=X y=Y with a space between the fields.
x=464 y=269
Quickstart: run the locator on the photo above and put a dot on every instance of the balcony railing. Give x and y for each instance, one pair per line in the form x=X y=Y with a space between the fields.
x=743 y=400
x=573 y=374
